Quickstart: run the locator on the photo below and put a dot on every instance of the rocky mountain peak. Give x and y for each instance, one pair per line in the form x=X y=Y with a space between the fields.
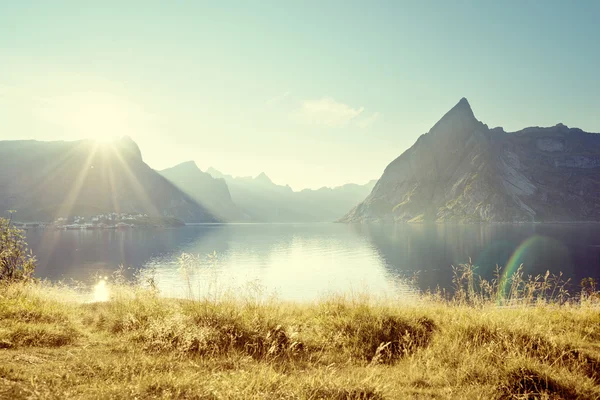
x=462 y=110
x=560 y=127
x=262 y=177
x=456 y=125
x=111 y=177
x=460 y=171
x=186 y=168
x=464 y=103
x=188 y=165
x=127 y=146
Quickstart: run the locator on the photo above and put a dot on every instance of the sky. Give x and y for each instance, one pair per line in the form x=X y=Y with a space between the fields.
x=313 y=93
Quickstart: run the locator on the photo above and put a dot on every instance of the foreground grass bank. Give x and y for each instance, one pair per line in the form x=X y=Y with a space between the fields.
x=139 y=345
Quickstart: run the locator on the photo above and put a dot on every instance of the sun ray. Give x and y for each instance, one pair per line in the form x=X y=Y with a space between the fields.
x=113 y=188
x=69 y=201
x=137 y=187
x=54 y=171
x=48 y=243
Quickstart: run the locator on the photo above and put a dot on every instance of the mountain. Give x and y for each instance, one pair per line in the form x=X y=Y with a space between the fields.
x=46 y=180
x=328 y=204
x=210 y=192
x=463 y=171
x=264 y=201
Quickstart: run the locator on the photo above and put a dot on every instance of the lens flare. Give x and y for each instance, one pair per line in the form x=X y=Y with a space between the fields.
x=101 y=291
x=539 y=250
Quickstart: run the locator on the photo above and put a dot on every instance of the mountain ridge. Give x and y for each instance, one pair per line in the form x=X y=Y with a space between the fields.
x=45 y=180
x=210 y=192
x=264 y=201
x=218 y=174
x=462 y=171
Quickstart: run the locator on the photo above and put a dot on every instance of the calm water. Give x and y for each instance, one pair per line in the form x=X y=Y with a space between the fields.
x=305 y=261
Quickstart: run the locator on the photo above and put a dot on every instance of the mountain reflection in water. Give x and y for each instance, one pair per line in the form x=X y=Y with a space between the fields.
x=306 y=261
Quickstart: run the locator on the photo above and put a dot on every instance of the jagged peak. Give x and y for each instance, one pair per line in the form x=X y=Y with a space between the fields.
x=262 y=177
x=459 y=118
x=189 y=164
x=462 y=106
x=186 y=165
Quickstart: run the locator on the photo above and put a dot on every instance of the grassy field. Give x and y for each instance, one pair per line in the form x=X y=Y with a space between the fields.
x=140 y=345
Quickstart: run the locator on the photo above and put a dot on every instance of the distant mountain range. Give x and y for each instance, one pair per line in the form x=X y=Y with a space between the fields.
x=212 y=193
x=461 y=170
x=258 y=199
x=46 y=180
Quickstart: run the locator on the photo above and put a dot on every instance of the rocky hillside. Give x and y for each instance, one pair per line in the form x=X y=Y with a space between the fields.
x=210 y=192
x=46 y=180
x=261 y=200
x=463 y=171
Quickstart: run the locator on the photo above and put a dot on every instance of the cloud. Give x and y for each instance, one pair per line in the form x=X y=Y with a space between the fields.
x=363 y=123
x=327 y=111
x=273 y=102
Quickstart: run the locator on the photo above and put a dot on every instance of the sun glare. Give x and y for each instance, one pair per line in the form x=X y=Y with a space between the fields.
x=101 y=292
x=97 y=115
x=103 y=139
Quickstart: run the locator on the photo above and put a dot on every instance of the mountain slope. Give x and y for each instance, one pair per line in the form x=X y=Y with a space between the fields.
x=463 y=171
x=210 y=192
x=45 y=180
x=264 y=201
x=327 y=204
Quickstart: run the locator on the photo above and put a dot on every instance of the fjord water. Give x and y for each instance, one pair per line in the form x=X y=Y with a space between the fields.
x=306 y=261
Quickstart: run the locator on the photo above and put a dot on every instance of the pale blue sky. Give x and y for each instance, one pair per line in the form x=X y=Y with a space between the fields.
x=312 y=93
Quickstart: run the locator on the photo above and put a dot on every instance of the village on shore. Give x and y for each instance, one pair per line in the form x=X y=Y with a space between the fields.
x=101 y=221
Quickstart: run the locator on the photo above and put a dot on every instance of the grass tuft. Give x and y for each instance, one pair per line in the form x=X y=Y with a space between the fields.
x=40 y=335
x=374 y=335
x=339 y=393
x=525 y=383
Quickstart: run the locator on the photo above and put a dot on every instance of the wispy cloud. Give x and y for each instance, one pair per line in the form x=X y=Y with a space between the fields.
x=275 y=101
x=327 y=111
x=363 y=123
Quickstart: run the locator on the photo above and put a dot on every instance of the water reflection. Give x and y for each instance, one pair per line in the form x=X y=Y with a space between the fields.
x=301 y=261
x=573 y=250
x=304 y=261
x=80 y=254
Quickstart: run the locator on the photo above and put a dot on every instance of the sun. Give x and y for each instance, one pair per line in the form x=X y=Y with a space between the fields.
x=98 y=116
x=103 y=139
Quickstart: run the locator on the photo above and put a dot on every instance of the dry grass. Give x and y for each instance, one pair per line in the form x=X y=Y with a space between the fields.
x=138 y=345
